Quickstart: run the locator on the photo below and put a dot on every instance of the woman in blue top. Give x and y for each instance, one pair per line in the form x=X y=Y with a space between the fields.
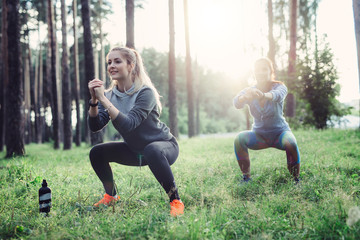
x=270 y=128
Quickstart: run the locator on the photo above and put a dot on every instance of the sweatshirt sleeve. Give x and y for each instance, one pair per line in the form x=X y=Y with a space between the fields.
x=100 y=121
x=144 y=104
x=279 y=92
x=236 y=101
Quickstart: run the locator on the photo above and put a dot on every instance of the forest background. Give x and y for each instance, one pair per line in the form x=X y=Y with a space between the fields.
x=50 y=100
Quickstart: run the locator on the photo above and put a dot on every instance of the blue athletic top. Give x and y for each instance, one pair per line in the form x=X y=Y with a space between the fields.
x=138 y=119
x=268 y=119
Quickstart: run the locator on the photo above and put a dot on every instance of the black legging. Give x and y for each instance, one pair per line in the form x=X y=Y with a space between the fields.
x=158 y=155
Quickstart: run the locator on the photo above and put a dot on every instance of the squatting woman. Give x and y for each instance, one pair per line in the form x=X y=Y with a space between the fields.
x=270 y=128
x=133 y=106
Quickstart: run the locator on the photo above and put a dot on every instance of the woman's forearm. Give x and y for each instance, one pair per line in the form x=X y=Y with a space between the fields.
x=109 y=107
x=268 y=96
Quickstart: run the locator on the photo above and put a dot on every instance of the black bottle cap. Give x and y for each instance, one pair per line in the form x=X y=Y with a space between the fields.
x=44 y=183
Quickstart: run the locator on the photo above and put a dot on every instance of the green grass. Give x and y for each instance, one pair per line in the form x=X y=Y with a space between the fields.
x=207 y=175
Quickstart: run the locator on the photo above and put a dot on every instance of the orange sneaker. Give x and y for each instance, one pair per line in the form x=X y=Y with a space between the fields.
x=177 y=208
x=107 y=200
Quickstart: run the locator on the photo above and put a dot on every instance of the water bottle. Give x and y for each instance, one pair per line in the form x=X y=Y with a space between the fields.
x=44 y=198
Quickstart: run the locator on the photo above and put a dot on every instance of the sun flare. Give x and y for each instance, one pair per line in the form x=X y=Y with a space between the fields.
x=228 y=37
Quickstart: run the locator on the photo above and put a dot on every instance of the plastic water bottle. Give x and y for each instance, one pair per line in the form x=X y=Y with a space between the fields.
x=44 y=198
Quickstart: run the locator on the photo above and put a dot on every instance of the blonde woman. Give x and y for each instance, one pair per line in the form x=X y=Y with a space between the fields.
x=270 y=128
x=133 y=106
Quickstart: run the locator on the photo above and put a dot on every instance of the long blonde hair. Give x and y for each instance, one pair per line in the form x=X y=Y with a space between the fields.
x=139 y=75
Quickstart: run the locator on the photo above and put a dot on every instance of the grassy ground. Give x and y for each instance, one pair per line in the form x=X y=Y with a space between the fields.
x=217 y=206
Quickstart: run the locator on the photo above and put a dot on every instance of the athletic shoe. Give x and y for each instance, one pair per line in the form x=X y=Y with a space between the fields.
x=245 y=179
x=177 y=207
x=297 y=181
x=107 y=200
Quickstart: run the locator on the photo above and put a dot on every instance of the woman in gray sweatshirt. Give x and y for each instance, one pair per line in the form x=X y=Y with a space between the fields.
x=270 y=128
x=132 y=104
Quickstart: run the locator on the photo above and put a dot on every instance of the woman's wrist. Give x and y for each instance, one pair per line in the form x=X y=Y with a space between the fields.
x=93 y=102
x=267 y=96
x=242 y=98
x=102 y=100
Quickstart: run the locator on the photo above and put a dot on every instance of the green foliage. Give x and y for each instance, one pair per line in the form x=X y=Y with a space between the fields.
x=319 y=88
x=216 y=205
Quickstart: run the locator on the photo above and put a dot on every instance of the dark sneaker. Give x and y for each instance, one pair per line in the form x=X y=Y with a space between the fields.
x=296 y=181
x=245 y=179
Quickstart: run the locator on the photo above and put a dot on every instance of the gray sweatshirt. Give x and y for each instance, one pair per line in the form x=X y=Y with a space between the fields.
x=138 y=120
x=268 y=119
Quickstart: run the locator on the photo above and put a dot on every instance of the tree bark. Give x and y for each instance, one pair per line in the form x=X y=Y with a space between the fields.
x=356 y=9
x=271 y=53
x=89 y=62
x=172 y=74
x=130 y=10
x=53 y=80
x=5 y=75
x=27 y=100
x=102 y=52
x=290 y=100
x=14 y=91
x=40 y=123
x=189 y=76
x=58 y=80
x=32 y=132
x=77 y=78
x=66 y=89
x=35 y=101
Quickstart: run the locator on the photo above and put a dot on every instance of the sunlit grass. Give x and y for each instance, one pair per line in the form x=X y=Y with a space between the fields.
x=207 y=175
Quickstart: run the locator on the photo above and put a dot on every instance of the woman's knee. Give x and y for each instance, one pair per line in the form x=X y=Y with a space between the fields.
x=292 y=150
x=290 y=144
x=95 y=154
x=242 y=140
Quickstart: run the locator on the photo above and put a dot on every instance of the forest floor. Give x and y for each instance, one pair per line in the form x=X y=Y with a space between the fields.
x=325 y=205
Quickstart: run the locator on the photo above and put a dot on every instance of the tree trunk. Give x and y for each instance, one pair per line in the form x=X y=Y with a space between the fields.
x=290 y=100
x=130 y=9
x=102 y=52
x=27 y=100
x=5 y=75
x=271 y=53
x=89 y=61
x=189 y=76
x=14 y=93
x=32 y=96
x=96 y=63
x=40 y=123
x=58 y=80
x=66 y=89
x=35 y=101
x=356 y=9
x=197 y=99
x=172 y=74
x=77 y=78
x=52 y=80
x=28 y=87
